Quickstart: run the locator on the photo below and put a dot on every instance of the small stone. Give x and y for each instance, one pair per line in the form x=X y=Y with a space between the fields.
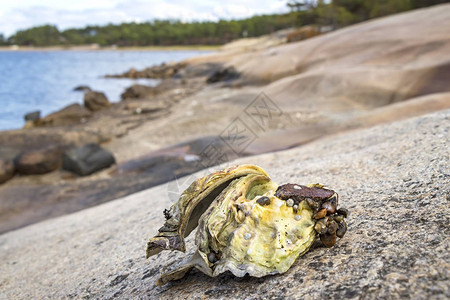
x=247 y=235
x=297 y=187
x=289 y=202
x=298 y=217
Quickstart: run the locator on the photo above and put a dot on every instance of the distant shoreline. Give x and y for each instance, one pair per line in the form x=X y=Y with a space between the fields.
x=110 y=48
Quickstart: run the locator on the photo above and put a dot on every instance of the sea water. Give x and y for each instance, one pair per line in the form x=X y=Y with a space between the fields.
x=44 y=80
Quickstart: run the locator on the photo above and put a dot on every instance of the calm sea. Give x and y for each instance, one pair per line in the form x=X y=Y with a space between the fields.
x=45 y=80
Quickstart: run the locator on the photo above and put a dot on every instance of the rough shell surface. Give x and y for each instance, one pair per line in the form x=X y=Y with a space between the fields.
x=247 y=224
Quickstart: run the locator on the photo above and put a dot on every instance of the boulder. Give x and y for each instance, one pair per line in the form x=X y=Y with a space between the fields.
x=138 y=91
x=87 y=159
x=39 y=161
x=33 y=116
x=95 y=101
x=6 y=170
x=69 y=115
x=224 y=74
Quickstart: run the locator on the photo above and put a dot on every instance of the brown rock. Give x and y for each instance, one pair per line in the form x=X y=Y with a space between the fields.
x=6 y=170
x=138 y=91
x=69 y=115
x=39 y=161
x=95 y=101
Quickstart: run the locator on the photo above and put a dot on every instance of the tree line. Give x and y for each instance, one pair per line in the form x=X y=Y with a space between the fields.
x=332 y=14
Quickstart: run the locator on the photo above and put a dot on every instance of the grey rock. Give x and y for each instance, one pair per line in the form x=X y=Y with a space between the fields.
x=396 y=245
x=33 y=116
x=95 y=101
x=39 y=161
x=87 y=159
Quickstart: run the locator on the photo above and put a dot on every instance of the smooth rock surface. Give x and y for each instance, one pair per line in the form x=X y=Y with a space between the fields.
x=393 y=178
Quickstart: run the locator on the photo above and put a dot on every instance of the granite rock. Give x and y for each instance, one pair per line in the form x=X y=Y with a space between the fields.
x=87 y=159
x=95 y=100
x=394 y=179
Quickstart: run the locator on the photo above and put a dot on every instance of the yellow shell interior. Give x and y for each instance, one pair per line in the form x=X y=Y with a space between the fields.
x=252 y=238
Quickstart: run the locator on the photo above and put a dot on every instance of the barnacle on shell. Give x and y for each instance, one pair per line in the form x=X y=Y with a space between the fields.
x=247 y=224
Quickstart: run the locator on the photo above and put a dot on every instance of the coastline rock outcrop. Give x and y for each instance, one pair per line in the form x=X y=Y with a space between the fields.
x=87 y=159
x=161 y=71
x=32 y=116
x=138 y=91
x=69 y=115
x=95 y=100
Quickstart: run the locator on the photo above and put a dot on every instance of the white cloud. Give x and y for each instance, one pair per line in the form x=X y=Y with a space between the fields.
x=65 y=14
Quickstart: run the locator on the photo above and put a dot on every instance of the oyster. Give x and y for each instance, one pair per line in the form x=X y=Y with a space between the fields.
x=247 y=224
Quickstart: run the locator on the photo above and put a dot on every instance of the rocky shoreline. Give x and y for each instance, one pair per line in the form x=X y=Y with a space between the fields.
x=252 y=97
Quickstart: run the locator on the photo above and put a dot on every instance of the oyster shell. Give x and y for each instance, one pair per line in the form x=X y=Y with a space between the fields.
x=247 y=224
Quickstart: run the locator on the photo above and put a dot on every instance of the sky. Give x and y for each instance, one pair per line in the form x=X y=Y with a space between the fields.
x=22 y=14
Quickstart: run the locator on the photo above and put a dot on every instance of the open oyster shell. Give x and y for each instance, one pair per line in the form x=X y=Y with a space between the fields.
x=247 y=224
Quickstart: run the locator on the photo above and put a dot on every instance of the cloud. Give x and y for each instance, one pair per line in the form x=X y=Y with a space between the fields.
x=66 y=15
